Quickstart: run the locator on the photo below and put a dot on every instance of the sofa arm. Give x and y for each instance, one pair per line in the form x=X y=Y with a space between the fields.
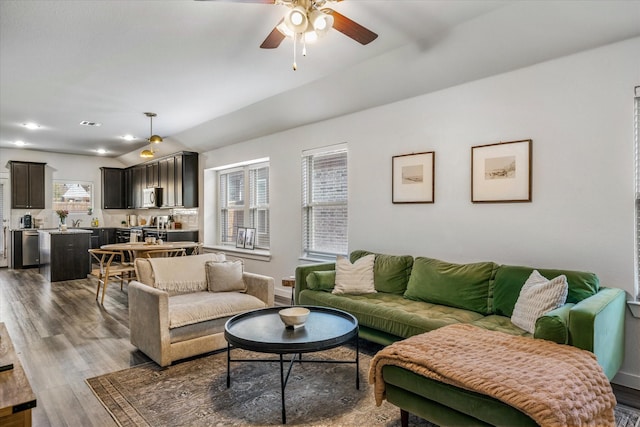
x=261 y=287
x=597 y=324
x=149 y=322
x=554 y=325
x=302 y=271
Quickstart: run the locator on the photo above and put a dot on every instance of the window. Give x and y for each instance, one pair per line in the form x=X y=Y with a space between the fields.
x=324 y=202
x=244 y=202
x=73 y=196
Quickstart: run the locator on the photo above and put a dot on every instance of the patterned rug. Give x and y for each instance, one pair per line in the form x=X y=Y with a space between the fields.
x=194 y=393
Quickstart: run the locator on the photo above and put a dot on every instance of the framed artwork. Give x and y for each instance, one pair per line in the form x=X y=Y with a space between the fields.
x=240 y=237
x=501 y=172
x=249 y=238
x=412 y=178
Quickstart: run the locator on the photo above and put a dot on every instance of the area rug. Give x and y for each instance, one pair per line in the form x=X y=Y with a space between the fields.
x=194 y=393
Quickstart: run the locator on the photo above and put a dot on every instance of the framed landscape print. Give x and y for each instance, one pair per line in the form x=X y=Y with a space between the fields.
x=412 y=178
x=501 y=172
x=240 y=237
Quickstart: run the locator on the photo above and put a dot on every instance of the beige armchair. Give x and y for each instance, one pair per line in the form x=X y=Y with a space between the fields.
x=175 y=311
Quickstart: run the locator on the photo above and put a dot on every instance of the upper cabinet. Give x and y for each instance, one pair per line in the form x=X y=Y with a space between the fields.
x=113 y=188
x=27 y=185
x=176 y=174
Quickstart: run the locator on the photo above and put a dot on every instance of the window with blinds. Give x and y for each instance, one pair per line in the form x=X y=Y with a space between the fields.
x=244 y=202
x=324 y=202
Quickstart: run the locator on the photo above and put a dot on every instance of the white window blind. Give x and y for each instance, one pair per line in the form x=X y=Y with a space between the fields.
x=244 y=202
x=324 y=202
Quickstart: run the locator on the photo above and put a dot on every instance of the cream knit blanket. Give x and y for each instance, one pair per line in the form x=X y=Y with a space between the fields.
x=554 y=384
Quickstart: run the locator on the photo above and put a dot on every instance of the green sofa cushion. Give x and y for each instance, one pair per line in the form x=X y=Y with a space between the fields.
x=321 y=280
x=390 y=313
x=510 y=279
x=466 y=286
x=390 y=272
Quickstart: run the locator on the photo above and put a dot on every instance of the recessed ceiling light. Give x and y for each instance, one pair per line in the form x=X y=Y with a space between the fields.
x=101 y=151
x=20 y=143
x=128 y=137
x=31 y=125
x=88 y=123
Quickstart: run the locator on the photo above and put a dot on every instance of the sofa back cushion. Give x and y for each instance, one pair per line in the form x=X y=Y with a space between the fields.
x=176 y=275
x=466 y=286
x=390 y=272
x=510 y=279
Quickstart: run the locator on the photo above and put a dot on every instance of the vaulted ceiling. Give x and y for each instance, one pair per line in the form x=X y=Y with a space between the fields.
x=198 y=65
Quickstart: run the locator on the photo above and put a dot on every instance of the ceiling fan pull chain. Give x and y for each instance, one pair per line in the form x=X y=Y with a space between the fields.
x=304 y=45
x=295 y=39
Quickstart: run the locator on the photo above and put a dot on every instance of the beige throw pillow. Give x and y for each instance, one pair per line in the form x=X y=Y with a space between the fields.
x=356 y=278
x=537 y=297
x=225 y=276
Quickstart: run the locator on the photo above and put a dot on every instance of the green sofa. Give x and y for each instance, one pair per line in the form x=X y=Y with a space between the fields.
x=416 y=295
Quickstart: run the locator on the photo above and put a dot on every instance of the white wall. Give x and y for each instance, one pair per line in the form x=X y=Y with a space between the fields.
x=65 y=167
x=578 y=111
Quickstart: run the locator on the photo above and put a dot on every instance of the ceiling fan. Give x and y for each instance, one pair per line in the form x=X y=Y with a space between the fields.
x=308 y=19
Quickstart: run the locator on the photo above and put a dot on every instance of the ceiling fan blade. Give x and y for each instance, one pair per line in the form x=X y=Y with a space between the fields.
x=351 y=28
x=274 y=38
x=244 y=1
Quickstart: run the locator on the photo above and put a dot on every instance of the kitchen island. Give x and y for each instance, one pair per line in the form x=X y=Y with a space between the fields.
x=64 y=255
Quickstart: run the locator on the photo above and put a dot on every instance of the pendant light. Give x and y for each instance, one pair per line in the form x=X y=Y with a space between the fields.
x=153 y=139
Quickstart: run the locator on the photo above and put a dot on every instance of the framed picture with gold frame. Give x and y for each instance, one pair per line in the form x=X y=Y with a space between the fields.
x=412 y=178
x=501 y=172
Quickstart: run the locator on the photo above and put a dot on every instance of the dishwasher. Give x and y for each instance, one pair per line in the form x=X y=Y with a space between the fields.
x=30 y=248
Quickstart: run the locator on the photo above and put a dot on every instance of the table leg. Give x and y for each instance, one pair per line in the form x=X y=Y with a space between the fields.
x=282 y=385
x=357 y=363
x=228 y=365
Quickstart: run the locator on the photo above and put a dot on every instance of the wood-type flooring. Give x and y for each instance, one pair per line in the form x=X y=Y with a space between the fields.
x=63 y=335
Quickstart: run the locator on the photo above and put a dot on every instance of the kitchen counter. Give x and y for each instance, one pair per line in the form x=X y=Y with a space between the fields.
x=68 y=231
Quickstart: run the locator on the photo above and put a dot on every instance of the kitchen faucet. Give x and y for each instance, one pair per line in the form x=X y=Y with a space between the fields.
x=76 y=223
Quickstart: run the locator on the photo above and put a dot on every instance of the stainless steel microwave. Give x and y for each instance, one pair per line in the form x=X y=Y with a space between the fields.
x=151 y=197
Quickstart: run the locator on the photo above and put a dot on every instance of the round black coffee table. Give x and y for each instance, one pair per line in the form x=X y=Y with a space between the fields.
x=262 y=331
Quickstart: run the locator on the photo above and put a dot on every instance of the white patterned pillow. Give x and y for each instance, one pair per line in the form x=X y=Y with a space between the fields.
x=537 y=297
x=356 y=278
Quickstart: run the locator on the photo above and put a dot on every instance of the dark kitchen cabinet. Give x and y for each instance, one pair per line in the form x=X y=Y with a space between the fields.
x=65 y=255
x=152 y=175
x=182 y=236
x=186 y=180
x=128 y=188
x=113 y=188
x=139 y=182
x=102 y=236
x=27 y=185
x=167 y=179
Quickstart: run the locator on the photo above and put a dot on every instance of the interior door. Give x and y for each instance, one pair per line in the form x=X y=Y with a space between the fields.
x=4 y=221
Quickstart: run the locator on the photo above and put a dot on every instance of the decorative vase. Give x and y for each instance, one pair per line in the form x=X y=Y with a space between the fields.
x=63 y=223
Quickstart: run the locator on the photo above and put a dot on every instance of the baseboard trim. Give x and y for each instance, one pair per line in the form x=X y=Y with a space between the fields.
x=627 y=380
x=627 y=396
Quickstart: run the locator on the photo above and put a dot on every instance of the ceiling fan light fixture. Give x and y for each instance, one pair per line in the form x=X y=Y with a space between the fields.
x=296 y=19
x=320 y=21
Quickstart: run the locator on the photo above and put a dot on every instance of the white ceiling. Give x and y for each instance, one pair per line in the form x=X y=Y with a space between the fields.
x=198 y=65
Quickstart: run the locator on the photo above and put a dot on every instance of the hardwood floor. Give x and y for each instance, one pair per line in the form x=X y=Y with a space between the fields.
x=63 y=336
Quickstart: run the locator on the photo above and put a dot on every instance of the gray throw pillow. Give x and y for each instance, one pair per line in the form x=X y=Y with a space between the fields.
x=225 y=276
